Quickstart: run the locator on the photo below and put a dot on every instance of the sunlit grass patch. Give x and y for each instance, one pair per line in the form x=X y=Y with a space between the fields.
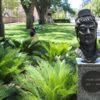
x=59 y=32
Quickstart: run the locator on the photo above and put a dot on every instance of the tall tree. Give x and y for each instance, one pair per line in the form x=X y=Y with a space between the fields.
x=94 y=5
x=42 y=6
x=66 y=7
x=55 y=2
x=28 y=6
x=1 y=21
x=63 y=4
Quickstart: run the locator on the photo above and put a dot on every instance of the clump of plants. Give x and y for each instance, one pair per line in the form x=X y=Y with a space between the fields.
x=11 y=63
x=55 y=49
x=47 y=81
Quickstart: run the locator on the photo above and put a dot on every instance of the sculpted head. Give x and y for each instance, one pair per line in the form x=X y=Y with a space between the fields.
x=86 y=27
x=86 y=32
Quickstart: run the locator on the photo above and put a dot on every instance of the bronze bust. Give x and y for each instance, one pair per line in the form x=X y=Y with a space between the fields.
x=86 y=32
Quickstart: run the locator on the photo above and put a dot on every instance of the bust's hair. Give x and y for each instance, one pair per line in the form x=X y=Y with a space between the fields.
x=85 y=19
x=85 y=16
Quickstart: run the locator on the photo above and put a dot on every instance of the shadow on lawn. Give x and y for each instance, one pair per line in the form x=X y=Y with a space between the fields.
x=55 y=31
x=58 y=31
x=67 y=35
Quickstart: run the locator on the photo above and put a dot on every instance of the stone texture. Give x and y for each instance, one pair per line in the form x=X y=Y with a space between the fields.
x=82 y=69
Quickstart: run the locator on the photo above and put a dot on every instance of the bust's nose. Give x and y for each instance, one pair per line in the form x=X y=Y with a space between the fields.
x=88 y=31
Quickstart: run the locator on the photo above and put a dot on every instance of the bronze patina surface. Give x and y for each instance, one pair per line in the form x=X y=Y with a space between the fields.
x=86 y=32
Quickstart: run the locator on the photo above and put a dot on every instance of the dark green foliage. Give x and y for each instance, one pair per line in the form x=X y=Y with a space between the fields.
x=11 y=62
x=29 y=46
x=34 y=50
x=49 y=51
x=66 y=7
x=10 y=43
x=45 y=50
x=98 y=43
x=61 y=20
x=8 y=92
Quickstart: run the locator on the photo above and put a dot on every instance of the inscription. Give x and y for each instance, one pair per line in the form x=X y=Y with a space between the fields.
x=91 y=81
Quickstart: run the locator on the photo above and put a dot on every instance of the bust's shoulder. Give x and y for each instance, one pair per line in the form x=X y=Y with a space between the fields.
x=98 y=52
x=79 y=52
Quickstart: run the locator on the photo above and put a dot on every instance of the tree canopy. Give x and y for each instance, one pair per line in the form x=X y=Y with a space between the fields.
x=94 y=6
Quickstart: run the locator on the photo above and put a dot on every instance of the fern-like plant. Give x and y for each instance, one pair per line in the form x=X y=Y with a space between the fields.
x=48 y=81
x=55 y=49
x=11 y=62
x=8 y=92
x=3 y=91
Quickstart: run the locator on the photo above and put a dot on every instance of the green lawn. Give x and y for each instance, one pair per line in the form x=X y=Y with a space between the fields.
x=56 y=32
x=16 y=31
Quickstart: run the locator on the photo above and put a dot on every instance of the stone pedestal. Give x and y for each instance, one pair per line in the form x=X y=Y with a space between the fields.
x=88 y=80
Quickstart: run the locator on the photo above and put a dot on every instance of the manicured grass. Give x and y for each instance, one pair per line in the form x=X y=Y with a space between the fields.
x=16 y=31
x=56 y=32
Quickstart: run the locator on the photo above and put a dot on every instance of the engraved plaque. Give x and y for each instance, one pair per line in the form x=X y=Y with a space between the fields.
x=91 y=81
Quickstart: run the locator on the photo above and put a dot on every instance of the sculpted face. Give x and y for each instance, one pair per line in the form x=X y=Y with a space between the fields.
x=87 y=32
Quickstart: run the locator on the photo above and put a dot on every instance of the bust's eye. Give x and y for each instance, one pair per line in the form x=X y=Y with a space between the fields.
x=83 y=29
x=92 y=29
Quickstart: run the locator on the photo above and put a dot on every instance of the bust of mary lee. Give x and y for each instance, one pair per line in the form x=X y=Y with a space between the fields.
x=86 y=32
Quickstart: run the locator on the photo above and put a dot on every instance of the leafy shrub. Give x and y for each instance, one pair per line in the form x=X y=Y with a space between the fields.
x=98 y=43
x=45 y=50
x=53 y=81
x=61 y=20
x=10 y=43
x=55 y=49
x=11 y=62
x=8 y=92
x=3 y=91
x=30 y=47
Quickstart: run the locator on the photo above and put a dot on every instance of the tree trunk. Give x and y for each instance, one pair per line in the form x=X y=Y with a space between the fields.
x=42 y=16
x=29 y=13
x=29 y=20
x=42 y=6
x=1 y=22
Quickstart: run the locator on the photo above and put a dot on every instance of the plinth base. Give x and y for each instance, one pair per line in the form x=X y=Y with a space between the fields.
x=88 y=80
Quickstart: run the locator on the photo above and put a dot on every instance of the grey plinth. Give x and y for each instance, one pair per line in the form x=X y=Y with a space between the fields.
x=88 y=80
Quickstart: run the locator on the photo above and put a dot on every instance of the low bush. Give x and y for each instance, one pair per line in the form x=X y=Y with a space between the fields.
x=61 y=20
x=45 y=50
x=8 y=92
x=11 y=62
x=47 y=81
x=10 y=43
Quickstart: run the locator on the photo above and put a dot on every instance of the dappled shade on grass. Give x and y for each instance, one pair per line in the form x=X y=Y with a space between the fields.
x=16 y=31
x=55 y=32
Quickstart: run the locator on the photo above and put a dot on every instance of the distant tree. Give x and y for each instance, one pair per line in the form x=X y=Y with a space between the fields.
x=94 y=6
x=55 y=3
x=42 y=6
x=1 y=22
x=66 y=7
x=28 y=6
